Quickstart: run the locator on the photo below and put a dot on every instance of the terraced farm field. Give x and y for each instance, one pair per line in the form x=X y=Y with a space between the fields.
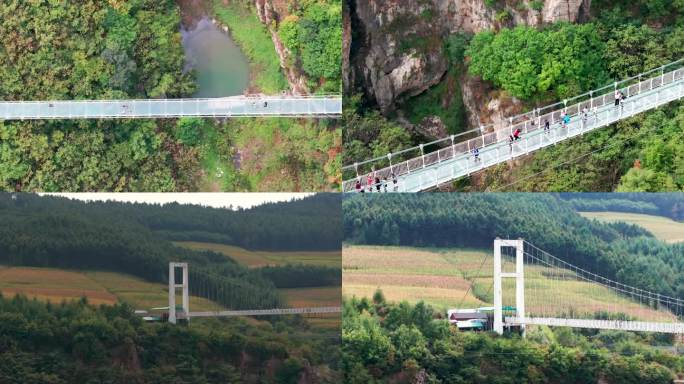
x=255 y=259
x=447 y=278
x=56 y=285
x=661 y=227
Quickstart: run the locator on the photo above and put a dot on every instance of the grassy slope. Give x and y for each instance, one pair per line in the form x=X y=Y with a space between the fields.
x=55 y=285
x=442 y=277
x=255 y=41
x=256 y=259
x=663 y=228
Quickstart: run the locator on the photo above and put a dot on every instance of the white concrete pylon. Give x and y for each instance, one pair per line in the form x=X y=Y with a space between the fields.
x=172 y=291
x=499 y=275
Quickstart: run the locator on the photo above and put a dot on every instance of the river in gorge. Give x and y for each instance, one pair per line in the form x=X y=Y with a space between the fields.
x=222 y=69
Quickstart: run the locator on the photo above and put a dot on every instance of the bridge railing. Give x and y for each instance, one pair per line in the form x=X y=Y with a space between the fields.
x=287 y=105
x=265 y=312
x=403 y=162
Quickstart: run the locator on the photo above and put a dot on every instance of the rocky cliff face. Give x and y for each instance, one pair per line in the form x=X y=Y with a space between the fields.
x=397 y=45
x=396 y=49
x=270 y=14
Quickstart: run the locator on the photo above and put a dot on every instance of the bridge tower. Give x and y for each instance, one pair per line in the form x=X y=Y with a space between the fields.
x=499 y=275
x=172 y=291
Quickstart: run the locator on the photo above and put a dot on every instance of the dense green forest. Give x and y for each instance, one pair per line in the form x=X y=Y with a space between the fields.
x=403 y=343
x=663 y=204
x=135 y=239
x=543 y=65
x=78 y=343
x=125 y=50
x=620 y=251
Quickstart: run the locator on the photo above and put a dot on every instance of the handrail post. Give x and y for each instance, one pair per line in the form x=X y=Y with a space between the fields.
x=356 y=167
x=389 y=157
x=453 y=147
x=591 y=95
x=640 y=83
x=422 y=154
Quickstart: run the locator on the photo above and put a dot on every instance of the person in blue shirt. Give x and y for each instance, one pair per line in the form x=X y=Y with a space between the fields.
x=566 y=119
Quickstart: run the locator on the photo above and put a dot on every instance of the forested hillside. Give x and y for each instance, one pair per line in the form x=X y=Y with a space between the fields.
x=93 y=49
x=57 y=232
x=90 y=50
x=78 y=343
x=621 y=251
x=663 y=204
x=385 y=342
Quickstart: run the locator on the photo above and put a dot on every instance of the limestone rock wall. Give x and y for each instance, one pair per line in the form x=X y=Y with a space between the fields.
x=396 y=46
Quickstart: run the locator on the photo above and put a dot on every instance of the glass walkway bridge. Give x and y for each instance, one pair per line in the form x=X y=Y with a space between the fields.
x=432 y=164
x=236 y=106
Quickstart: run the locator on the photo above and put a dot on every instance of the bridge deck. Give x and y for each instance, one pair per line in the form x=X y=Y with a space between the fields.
x=456 y=161
x=640 y=326
x=263 y=312
x=238 y=106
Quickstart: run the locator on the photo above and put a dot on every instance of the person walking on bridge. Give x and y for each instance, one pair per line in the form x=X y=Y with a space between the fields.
x=476 y=154
x=516 y=134
x=618 y=96
x=369 y=182
x=565 y=120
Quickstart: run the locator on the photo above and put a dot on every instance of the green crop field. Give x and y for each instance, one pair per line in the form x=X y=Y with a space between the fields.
x=447 y=278
x=661 y=227
x=256 y=259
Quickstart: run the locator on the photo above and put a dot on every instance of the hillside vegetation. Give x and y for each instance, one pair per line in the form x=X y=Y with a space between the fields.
x=134 y=239
x=661 y=227
x=257 y=259
x=78 y=343
x=385 y=342
x=623 y=252
x=132 y=50
x=623 y=39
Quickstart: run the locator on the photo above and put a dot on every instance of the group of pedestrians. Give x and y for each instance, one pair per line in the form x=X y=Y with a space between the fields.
x=374 y=184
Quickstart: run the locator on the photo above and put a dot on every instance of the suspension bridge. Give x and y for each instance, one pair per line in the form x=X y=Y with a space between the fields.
x=537 y=285
x=175 y=313
x=432 y=164
x=235 y=106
